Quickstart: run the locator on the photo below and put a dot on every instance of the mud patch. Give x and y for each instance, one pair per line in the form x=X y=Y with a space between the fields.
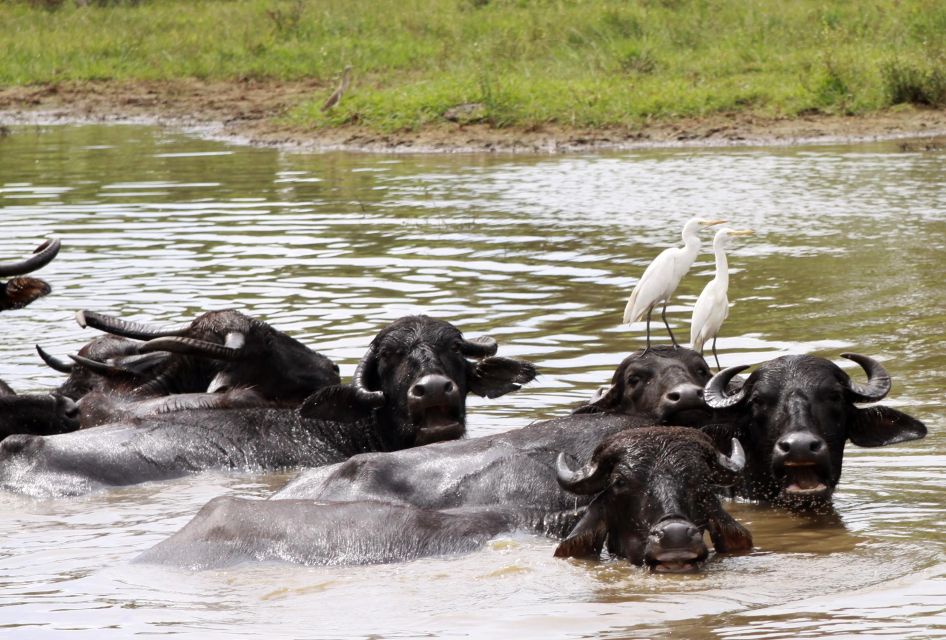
x=250 y=111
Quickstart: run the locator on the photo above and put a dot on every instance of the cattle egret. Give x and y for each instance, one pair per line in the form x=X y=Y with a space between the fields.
x=712 y=307
x=662 y=276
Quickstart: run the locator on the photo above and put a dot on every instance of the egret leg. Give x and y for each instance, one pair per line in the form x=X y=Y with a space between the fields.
x=663 y=316
x=649 y=311
x=718 y=368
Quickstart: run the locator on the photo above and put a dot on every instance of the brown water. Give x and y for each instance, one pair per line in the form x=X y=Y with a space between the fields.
x=541 y=253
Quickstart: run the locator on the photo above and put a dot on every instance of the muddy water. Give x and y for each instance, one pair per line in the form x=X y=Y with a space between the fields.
x=540 y=253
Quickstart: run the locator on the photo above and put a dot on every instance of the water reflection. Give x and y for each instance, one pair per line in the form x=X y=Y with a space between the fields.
x=541 y=253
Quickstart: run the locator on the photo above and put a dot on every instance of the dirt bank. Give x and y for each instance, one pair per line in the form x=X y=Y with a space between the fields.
x=250 y=112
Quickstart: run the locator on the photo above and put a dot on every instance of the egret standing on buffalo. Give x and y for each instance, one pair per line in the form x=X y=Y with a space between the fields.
x=712 y=307
x=662 y=276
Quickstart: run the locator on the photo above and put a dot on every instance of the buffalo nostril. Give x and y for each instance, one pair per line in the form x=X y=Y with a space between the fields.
x=699 y=393
x=815 y=445
x=448 y=387
x=418 y=390
x=673 y=396
x=692 y=532
x=784 y=446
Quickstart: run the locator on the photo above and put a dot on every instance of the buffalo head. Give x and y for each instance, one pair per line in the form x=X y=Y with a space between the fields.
x=106 y=363
x=219 y=351
x=20 y=290
x=795 y=413
x=663 y=383
x=414 y=379
x=655 y=494
x=37 y=414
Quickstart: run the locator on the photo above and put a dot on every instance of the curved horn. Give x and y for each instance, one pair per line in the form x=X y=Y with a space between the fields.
x=194 y=347
x=54 y=362
x=878 y=380
x=127 y=329
x=715 y=391
x=591 y=478
x=481 y=347
x=100 y=368
x=734 y=462
x=42 y=255
x=373 y=398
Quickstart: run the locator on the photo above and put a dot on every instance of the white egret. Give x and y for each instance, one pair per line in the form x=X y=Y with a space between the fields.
x=712 y=307
x=662 y=276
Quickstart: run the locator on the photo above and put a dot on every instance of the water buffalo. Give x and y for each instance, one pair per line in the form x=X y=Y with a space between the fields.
x=653 y=386
x=106 y=363
x=794 y=415
x=20 y=290
x=653 y=496
x=41 y=414
x=410 y=388
x=218 y=350
x=654 y=493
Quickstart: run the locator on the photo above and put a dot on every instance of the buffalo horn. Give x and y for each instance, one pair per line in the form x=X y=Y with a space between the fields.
x=715 y=391
x=126 y=328
x=734 y=462
x=373 y=398
x=101 y=368
x=481 y=347
x=43 y=254
x=591 y=478
x=194 y=347
x=878 y=380
x=54 y=362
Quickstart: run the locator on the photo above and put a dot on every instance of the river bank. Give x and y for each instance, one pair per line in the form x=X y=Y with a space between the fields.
x=254 y=112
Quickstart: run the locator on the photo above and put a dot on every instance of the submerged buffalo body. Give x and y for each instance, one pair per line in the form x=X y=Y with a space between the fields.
x=794 y=415
x=381 y=413
x=517 y=467
x=20 y=290
x=654 y=497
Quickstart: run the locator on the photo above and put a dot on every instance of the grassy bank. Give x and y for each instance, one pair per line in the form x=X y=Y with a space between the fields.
x=527 y=62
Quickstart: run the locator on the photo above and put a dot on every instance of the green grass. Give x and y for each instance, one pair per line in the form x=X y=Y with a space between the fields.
x=529 y=62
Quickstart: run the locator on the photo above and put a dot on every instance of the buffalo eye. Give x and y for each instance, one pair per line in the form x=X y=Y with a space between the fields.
x=456 y=346
x=633 y=381
x=703 y=371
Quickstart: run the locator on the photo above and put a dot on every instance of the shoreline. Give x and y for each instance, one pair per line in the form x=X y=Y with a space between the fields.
x=249 y=113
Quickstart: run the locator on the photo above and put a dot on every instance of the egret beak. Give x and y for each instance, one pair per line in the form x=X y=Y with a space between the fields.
x=710 y=223
x=741 y=232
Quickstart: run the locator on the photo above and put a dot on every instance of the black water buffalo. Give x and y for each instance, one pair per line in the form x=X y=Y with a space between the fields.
x=794 y=415
x=41 y=414
x=20 y=290
x=658 y=385
x=410 y=388
x=218 y=350
x=654 y=493
x=653 y=496
x=106 y=363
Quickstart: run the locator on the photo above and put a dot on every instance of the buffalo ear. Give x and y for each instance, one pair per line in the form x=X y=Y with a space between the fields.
x=587 y=538
x=338 y=403
x=495 y=376
x=607 y=402
x=879 y=426
x=728 y=536
x=16 y=293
